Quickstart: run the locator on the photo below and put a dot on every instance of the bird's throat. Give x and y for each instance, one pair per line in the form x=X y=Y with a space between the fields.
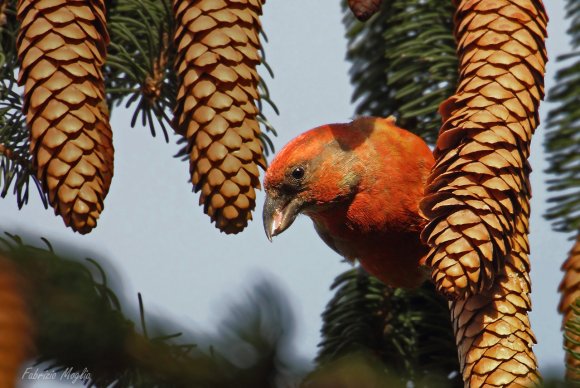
x=392 y=255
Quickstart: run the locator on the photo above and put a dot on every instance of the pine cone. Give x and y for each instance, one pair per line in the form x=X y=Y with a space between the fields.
x=218 y=51
x=492 y=330
x=364 y=9
x=61 y=48
x=480 y=182
x=16 y=328
x=570 y=290
x=477 y=198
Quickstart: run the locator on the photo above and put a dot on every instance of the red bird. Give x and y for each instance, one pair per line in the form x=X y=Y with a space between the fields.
x=361 y=184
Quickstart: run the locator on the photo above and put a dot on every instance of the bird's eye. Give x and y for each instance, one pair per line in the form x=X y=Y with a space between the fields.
x=298 y=173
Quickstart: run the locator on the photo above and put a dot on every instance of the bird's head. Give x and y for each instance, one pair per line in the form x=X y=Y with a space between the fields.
x=313 y=172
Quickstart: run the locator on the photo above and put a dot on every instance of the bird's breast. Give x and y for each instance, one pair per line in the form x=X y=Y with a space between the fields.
x=391 y=255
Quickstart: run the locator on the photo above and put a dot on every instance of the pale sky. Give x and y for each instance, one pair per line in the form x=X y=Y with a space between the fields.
x=156 y=235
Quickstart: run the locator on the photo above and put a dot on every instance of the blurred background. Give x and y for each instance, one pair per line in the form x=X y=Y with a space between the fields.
x=153 y=238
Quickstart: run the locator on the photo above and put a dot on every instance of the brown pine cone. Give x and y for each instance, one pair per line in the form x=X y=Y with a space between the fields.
x=218 y=51
x=16 y=327
x=480 y=182
x=61 y=48
x=477 y=198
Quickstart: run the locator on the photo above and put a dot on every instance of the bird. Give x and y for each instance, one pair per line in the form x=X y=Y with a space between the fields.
x=361 y=184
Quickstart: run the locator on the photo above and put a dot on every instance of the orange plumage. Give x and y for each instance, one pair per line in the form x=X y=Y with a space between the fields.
x=361 y=184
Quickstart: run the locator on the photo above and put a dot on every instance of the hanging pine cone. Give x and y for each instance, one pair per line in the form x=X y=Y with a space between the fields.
x=364 y=9
x=16 y=328
x=477 y=198
x=61 y=48
x=570 y=290
x=218 y=50
x=480 y=182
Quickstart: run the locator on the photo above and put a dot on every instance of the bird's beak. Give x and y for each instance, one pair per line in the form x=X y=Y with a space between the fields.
x=279 y=213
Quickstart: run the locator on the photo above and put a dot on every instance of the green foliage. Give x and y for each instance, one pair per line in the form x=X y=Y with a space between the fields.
x=79 y=324
x=8 y=30
x=563 y=134
x=139 y=61
x=572 y=335
x=408 y=331
x=354 y=370
x=78 y=320
x=404 y=62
